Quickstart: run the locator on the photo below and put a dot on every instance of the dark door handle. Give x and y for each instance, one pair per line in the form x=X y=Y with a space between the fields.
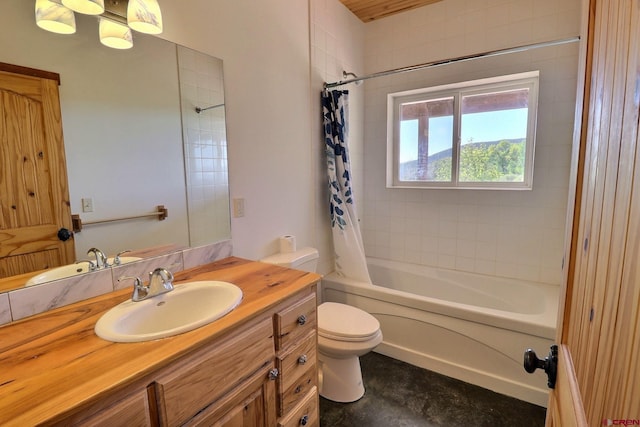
x=549 y=364
x=64 y=234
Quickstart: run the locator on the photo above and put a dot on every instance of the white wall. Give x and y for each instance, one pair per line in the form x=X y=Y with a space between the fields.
x=515 y=234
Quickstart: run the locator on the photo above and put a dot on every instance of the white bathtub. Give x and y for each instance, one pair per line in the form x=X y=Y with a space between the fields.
x=471 y=327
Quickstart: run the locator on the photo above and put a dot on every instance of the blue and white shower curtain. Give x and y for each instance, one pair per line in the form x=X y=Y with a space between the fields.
x=347 y=241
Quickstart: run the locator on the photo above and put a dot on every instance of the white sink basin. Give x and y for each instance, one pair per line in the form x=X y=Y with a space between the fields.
x=187 y=307
x=70 y=270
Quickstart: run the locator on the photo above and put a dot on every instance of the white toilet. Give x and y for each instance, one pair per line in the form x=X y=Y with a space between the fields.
x=344 y=334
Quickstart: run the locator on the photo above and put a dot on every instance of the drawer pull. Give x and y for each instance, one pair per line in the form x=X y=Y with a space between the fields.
x=304 y=420
x=302 y=319
x=273 y=374
x=302 y=359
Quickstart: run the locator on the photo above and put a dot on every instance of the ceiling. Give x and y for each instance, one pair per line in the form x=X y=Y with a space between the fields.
x=370 y=10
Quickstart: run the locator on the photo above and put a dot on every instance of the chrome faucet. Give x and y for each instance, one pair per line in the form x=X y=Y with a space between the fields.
x=159 y=283
x=101 y=258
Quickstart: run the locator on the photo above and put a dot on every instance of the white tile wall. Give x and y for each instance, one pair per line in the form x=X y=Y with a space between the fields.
x=337 y=44
x=205 y=146
x=515 y=234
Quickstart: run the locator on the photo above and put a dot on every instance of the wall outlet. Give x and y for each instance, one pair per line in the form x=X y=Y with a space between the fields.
x=238 y=207
x=87 y=204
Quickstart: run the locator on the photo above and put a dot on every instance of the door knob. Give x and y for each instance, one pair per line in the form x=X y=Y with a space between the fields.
x=549 y=364
x=64 y=234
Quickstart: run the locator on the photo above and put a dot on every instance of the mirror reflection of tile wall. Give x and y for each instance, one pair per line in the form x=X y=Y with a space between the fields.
x=205 y=146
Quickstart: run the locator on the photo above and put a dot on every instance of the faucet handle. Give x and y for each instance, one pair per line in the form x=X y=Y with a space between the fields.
x=140 y=291
x=116 y=259
x=92 y=266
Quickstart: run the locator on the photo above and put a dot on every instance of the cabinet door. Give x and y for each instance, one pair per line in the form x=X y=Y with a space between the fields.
x=204 y=377
x=132 y=410
x=251 y=404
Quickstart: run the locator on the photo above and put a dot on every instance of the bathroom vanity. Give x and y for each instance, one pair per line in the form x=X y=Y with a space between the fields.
x=256 y=366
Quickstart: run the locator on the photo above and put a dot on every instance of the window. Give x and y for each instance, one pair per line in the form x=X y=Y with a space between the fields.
x=476 y=134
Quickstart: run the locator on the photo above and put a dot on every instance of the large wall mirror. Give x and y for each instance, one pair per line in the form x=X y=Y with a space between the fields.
x=133 y=138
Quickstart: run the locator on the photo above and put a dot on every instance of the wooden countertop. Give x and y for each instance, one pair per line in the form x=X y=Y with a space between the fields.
x=53 y=362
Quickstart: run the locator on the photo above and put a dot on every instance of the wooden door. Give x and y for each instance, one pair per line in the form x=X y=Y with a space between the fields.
x=599 y=367
x=34 y=196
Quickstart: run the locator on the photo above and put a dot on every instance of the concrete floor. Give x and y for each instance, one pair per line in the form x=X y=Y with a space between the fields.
x=401 y=395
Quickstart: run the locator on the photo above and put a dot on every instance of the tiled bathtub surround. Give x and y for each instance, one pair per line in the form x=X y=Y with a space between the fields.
x=504 y=233
x=515 y=234
x=28 y=301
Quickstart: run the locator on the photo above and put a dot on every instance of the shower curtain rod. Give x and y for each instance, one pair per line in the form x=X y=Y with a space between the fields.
x=453 y=60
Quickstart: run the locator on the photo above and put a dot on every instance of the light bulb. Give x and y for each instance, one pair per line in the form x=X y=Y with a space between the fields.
x=144 y=16
x=115 y=35
x=88 y=7
x=54 y=17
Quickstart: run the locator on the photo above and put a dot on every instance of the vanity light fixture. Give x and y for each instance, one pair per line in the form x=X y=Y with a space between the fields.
x=52 y=16
x=115 y=35
x=144 y=16
x=117 y=18
x=88 y=7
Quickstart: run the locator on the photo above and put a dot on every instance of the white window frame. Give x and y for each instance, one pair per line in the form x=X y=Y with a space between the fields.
x=528 y=80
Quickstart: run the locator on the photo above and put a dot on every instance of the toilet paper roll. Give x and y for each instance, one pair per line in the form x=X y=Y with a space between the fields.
x=287 y=244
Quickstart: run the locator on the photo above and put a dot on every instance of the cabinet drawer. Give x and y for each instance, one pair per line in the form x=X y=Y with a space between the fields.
x=304 y=414
x=294 y=322
x=292 y=395
x=296 y=361
x=199 y=380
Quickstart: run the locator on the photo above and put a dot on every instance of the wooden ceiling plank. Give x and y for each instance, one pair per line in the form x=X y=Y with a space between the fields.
x=370 y=10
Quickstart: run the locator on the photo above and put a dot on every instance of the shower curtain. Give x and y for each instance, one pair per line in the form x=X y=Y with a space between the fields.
x=347 y=241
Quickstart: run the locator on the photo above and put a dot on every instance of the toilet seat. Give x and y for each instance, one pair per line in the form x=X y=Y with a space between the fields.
x=341 y=322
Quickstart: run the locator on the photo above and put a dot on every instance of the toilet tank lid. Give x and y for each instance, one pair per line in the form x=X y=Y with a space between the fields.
x=289 y=259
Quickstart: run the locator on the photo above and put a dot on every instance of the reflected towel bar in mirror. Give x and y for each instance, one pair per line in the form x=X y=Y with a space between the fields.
x=161 y=212
x=200 y=110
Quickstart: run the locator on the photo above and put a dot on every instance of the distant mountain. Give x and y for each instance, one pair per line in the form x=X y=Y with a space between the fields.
x=409 y=169
x=447 y=153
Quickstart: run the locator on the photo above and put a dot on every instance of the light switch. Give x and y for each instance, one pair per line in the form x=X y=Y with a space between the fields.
x=87 y=204
x=238 y=207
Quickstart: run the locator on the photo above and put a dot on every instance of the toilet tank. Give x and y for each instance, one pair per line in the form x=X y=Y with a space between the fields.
x=303 y=259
